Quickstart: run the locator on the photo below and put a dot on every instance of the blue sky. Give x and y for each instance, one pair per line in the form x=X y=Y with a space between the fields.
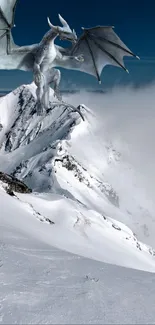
x=133 y=20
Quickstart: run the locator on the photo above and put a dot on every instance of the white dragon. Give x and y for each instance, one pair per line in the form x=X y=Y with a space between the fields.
x=95 y=48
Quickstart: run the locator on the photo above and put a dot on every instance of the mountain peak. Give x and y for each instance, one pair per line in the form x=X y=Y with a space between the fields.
x=58 y=156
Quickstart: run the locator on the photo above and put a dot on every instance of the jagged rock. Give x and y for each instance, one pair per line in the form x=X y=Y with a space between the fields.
x=116 y=227
x=49 y=132
x=81 y=173
x=14 y=184
x=138 y=246
x=152 y=251
x=9 y=191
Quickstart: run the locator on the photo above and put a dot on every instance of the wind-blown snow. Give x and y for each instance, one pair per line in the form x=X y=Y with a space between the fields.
x=120 y=148
x=86 y=200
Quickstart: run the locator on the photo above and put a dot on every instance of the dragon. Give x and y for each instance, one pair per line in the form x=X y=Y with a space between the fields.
x=90 y=53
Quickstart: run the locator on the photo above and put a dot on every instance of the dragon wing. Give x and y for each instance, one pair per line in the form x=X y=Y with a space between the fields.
x=22 y=58
x=100 y=46
x=7 y=12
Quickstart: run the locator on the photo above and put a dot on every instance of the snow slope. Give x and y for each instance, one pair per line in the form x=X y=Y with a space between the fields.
x=78 y=205
x=75 y=229
x=37 y=150
x=40 y=284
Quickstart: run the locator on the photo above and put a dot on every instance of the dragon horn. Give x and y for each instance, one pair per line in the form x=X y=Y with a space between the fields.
x=49 y=22
x=63 y=21
x=74 y=32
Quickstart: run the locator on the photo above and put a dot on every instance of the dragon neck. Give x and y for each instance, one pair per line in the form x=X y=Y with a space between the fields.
x=51 y=35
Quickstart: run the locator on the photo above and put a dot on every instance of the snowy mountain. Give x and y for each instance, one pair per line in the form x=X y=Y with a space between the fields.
x=86 y=201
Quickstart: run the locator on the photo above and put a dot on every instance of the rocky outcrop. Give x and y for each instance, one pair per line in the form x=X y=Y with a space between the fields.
x=83 y=176
x=13 y=184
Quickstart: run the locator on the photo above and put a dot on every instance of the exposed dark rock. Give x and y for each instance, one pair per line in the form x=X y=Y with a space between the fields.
x=71 y=164
x=116 y=227
x=89 y=278
x=14 y=184
x=152 y=251
x=82 y=175
x=9 y=191
x=138 y=246
x=49 y=221
x=40 y=217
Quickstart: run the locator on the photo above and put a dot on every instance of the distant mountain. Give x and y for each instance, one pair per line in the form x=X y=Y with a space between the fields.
x=64 y=91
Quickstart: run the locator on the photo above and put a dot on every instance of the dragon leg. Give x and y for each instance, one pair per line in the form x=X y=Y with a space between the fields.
x=45 y=96
x=56 y=81
x=39 y=94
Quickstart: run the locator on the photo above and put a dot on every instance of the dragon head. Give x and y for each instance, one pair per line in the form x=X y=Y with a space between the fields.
x=65 y=32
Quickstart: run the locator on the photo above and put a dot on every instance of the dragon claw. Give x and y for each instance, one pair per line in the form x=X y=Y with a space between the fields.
x=39 y=109
x=79 y=58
